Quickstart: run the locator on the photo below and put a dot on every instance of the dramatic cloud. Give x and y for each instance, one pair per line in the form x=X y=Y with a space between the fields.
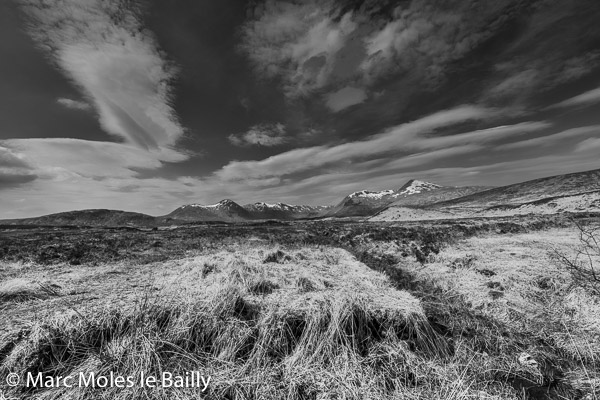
x=267 y=135
x=424 y=39
x=408 y=137
x=74 y=104
x=103 y=48
x=321 y=98
x=297 y=42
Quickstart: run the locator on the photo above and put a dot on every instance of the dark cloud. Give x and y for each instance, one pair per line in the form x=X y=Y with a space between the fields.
x=294 y=101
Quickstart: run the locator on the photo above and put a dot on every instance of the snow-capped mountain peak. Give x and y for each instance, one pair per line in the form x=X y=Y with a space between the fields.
x=227 y=203
x=415 y=186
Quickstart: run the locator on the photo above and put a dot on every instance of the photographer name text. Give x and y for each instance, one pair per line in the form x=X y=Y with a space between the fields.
x=191 y=379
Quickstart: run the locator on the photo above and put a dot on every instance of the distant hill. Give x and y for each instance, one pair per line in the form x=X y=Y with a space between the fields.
x=441 y=194
x=414 y=192
x=575 y=192
x=537 y=189
x=109 y=218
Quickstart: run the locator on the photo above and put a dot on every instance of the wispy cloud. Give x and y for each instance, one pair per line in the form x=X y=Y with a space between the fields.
x=74 y=104
x=408 y=137
x=548 y=140
x=64 y=174
x=55 y=159
x=102 y=46
x=589 y=97
x=589 y=144
x=267 y=135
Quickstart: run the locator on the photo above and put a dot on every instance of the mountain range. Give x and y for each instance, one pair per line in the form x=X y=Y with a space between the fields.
x=229 y=211
x=575 y=192
x=415 y=200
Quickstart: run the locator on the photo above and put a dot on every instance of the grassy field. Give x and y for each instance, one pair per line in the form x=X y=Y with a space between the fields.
x=480 y=309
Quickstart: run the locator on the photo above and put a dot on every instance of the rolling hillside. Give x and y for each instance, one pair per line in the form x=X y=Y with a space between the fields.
x=576 y=192
x=529 y=191
x=413 y=193
x=99 y=217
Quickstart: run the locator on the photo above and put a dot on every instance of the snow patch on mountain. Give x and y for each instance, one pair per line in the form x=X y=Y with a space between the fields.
x=411 y=187
x=372 y=195
x=220 y=205
x=415 y=186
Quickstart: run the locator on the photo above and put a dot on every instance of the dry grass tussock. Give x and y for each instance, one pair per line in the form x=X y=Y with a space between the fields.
x=19 y=289
x=315 y=324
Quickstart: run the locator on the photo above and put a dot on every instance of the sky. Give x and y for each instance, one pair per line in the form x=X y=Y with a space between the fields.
x=145 y=105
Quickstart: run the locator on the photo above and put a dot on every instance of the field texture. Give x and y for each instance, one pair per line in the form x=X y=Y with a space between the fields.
x=480 y=309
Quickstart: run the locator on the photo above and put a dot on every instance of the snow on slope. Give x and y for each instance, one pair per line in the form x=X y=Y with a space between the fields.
x=223 y=204
x=415 y=186
x=585 y=202
x=366 y=203
x=372 y=195
x=411 y=187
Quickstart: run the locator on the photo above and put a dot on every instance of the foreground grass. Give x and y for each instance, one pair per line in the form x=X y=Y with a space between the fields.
x=418 y=321
x=312 y=324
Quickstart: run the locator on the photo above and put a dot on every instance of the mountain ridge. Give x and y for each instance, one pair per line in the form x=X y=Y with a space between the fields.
x=573 y=192
x=367 y=203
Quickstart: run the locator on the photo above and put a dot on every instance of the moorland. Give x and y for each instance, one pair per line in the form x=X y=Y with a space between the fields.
x=486 y=308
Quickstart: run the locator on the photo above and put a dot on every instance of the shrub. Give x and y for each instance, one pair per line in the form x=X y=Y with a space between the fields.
x=584 y=266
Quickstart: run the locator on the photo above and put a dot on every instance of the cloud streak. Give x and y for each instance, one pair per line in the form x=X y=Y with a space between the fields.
x=56 y=159
x=74 y=104
x=552 y=139
x=102 y=46
x=405 y=139
x=584 y=99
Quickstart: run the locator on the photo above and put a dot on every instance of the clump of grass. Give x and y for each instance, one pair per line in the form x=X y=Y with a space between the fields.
x=19 y=290
x=304 y=284
x=357 y=338
x=262 y=286
x=277 y=257
x=284 y=349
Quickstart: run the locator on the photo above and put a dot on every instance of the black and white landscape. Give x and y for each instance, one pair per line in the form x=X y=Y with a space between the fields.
x=300 y=199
